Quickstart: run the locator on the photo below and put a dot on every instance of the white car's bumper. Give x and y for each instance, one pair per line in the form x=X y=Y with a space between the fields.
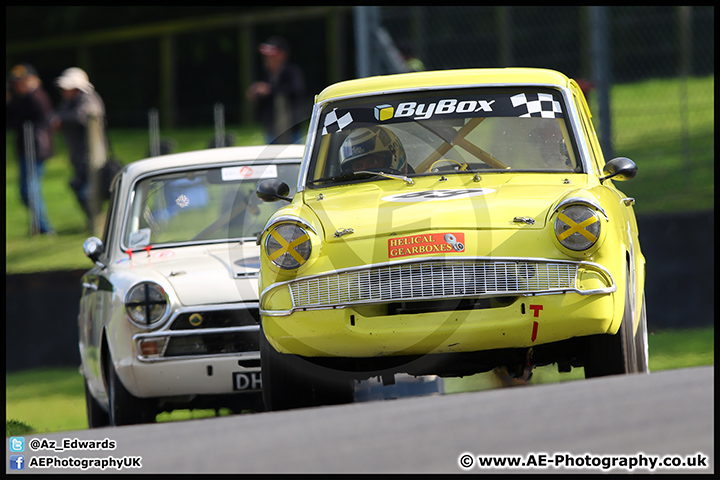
x=193 y=376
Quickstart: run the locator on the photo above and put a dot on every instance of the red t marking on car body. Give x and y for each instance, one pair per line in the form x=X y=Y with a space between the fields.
x=536 y=309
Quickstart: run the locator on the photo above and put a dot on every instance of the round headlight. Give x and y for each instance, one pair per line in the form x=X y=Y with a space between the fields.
x=288 y=246
x=577 y=227
x=146 y=303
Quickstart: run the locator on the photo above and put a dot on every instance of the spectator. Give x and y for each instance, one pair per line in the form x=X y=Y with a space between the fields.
x=29 y=102
x=586 y=86
x=80 y=103
x=278 y=94
x=228 y=140
x=412 y=62
x=165 y=147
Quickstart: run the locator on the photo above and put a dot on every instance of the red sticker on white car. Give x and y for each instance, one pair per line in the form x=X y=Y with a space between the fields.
x=248 y=172
x=426 y=243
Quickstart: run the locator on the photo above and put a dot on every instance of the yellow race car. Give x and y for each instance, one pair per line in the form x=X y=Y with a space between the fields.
x=449 y=223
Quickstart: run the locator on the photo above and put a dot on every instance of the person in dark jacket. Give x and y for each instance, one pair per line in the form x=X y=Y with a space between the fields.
x=80 y=103
x=278 y=94
x=29 y=104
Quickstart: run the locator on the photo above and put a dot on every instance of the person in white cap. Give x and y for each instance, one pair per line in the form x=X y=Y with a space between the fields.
x=80 y=103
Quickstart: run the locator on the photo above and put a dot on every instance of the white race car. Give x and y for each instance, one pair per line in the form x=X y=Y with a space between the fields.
x=169 y=315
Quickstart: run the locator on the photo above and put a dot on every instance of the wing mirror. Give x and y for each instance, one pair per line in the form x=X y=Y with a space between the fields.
x=93 y=248
x=620 y=168
x=272 y=190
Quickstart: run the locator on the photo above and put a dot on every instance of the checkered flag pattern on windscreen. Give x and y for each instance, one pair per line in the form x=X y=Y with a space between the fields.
x=537 y=105
x=333 y=123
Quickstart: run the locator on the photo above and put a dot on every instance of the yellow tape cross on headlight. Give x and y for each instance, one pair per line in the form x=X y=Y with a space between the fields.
x=577 y=227
x=286 y=247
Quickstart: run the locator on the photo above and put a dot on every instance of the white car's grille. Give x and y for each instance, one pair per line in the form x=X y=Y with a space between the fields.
x=434 y=279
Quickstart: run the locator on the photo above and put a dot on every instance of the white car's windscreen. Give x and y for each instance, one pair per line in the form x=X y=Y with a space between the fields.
x=196 y=206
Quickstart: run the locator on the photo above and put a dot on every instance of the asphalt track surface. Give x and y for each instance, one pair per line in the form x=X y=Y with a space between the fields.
x=637 y=416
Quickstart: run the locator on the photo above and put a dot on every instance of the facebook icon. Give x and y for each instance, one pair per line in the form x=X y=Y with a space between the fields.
x=17 y=462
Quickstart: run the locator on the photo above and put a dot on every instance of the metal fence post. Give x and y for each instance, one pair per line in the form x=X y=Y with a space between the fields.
x=601 y=73
x=685 y=64
x=505 y=36
x=167 y=80
x=362 y=42
x=154 y=132
x=219 y=114
x=98 y=156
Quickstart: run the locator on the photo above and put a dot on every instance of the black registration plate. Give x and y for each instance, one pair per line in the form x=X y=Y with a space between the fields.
x=247 y=381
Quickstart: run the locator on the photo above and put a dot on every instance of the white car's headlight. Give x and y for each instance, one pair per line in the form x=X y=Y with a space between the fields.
x=146 y=304
x=288 y=245
x=577 y=227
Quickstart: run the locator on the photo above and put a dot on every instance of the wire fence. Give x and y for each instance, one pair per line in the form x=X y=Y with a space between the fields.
x=666 y=122
x=645 y=42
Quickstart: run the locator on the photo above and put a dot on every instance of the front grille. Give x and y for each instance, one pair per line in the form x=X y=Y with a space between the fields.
x=205 y=331
x=236 y=317
x=213 y=344
x=433 y=279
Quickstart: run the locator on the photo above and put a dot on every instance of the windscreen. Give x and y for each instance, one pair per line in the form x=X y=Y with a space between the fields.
x=443 y=132
x=202 y=205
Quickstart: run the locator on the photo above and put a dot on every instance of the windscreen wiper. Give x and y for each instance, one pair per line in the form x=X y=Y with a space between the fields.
x=404 y=178
x=351 y=175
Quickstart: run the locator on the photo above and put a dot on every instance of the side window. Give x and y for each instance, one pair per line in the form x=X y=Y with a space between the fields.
x=588 y=130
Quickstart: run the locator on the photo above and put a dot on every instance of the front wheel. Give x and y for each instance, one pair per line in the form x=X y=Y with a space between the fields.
x=289 y=381
x=125 y=408
x=614 y=354
x=97 y=417
x=641 y=342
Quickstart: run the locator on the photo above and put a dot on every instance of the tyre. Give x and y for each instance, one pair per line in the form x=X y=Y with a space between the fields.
x=641 y=342
x=333 y=388
x=613 y=354
x=281 y=383
x=125 y=408
x=289 y=381
x=96 y=415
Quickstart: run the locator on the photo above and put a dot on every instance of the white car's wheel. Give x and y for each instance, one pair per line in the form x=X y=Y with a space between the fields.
x=125 y=408
x=97 y=417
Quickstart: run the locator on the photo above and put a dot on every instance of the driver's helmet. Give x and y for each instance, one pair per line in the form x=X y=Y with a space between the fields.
x=372 y=147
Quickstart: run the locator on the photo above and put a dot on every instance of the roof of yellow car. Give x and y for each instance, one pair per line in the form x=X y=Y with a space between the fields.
x=439 y=78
